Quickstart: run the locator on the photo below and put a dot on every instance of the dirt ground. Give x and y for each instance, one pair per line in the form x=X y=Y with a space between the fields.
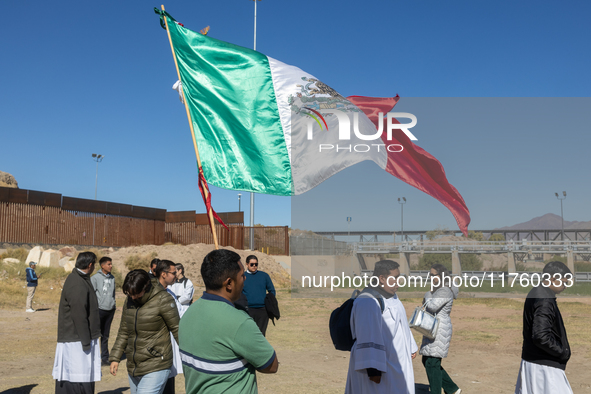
x=484 y=355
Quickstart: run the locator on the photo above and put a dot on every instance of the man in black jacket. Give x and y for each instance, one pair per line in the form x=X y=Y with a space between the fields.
x=545 y=349
x=77 y=364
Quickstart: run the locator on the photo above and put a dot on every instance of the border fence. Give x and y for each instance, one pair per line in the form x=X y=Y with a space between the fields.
x=318 y=246
x=29 y=216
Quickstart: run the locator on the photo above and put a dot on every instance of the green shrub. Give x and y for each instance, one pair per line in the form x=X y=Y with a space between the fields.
x=439 y=231
x=496 y=238
x=582 y=266
x=556 y=258
x=118 y=277
x=478 y=236
x=428 y=259
x=135 y=261
x=469 y=262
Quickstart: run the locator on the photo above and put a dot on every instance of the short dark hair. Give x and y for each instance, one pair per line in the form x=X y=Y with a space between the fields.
x=163 y=265
x=135 y=282
x=85 y=259
x=179 y=266
x=218 y=266
x=251 y=257
x=384 y=267
x=153 y=263
x=556 y=267
x=441 y=269
x=104 y=260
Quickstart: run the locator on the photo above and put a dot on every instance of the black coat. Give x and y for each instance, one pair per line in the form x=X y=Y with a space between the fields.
x=272 y=307
x=78 y=316
x=544 y=335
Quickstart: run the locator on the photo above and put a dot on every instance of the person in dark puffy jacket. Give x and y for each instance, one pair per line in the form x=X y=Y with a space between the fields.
x=149 y=316
x=545 y=350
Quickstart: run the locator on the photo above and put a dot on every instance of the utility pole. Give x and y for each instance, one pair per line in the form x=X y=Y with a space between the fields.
x=402 y=216
x=98 y=158
x=252 y=193
x=561 y=213
x=348 y=227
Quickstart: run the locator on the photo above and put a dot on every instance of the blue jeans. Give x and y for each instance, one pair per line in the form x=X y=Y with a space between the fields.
x=152 y=383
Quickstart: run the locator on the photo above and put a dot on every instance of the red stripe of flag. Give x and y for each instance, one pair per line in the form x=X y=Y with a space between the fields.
x=414 y=165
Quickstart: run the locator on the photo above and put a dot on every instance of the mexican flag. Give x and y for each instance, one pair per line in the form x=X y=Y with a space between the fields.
x=268 y=127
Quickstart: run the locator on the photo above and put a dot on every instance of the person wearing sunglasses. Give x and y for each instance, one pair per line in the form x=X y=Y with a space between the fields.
x=256 y=285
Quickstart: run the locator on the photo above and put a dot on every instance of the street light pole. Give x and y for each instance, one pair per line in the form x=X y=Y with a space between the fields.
x=239 y=198
x=349 y=227
x=252 y=193
x=561 y=212
x=98 y=158
x=402 y=216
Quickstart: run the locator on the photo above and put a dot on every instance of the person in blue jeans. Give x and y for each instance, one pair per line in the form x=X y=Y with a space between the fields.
x=32 y=279
x=149 y=317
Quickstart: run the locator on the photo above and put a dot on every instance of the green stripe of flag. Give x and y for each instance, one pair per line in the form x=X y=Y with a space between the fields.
x=229 y=90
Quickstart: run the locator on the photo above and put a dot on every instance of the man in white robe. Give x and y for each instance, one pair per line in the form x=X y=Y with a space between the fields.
x=77 y=363
x=381 y=358
x=545 y=350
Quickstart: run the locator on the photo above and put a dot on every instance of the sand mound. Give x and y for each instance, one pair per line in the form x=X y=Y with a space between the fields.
x=191 y=256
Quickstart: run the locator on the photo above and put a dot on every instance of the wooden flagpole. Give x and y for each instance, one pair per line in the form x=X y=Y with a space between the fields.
x=206 y=192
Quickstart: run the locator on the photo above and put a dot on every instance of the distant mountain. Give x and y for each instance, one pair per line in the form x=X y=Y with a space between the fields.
x=549 y=221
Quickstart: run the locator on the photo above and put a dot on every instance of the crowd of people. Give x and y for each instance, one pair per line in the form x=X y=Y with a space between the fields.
x=219 y=347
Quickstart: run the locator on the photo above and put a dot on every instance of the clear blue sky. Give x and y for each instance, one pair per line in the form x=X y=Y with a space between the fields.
x=80 y=78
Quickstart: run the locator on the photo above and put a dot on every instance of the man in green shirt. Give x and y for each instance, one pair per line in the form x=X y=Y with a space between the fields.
x=221 y=346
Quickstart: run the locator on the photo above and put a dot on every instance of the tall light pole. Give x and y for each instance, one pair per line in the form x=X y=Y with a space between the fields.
x=251 y=193
x=561 y=214
x=349 y=218
x=402 y=202
x=239 y=198
x=98 y=158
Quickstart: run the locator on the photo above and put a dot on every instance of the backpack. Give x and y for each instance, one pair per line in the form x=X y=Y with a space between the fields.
x=340 y=320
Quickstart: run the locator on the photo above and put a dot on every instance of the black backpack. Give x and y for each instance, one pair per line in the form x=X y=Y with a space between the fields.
x=340 y=320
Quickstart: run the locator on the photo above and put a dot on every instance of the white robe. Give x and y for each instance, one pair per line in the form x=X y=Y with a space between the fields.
x=177 y=363
x=541 y=379
x=384 y=342
x=73 y=364
x=185 y=292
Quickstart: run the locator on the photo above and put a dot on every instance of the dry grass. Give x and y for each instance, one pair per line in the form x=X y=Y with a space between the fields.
x=485 y=330
x=137 y=261
x=20 y=254
x=499 y=303
x=476 y=336
x=13 y=294
x=577 y=320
